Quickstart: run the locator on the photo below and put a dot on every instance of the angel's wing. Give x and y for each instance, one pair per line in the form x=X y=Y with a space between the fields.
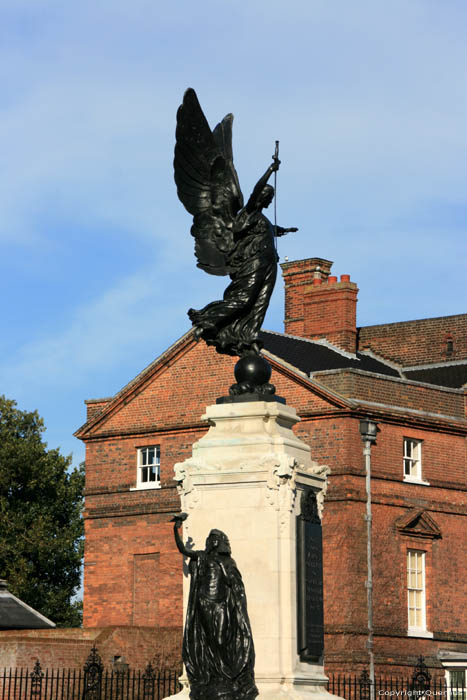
x=207 y=183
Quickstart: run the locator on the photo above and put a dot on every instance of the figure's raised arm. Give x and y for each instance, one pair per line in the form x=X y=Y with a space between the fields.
x=258 y=188
x=178 y=520
x=280 y=231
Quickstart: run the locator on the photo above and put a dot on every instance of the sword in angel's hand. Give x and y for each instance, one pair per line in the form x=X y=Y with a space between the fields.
x=275 y=159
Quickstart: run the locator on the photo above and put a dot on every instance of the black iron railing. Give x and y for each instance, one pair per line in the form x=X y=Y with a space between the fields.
x=418 y=686
x=92 y=682
x=393 y=688
x=67 y=684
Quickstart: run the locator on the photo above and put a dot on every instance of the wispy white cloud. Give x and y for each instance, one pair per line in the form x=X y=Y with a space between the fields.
x=368 y=101
x=105 y=332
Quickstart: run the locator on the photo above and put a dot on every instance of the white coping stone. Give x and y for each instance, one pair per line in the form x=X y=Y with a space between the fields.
x=245 y=477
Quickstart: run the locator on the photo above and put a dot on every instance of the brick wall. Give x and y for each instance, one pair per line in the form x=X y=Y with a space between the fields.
x=169 y=396
x=345 y=566
x=69 y=648
x=393 y=392
x=418 y=342
x=132 y=568
x=443 y=462
x=344 y=535
x=96 y=406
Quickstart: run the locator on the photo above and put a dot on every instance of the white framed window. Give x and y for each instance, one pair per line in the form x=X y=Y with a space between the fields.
x=412 y=460
x=416 y=593
x=456 y=682
x=148 y=467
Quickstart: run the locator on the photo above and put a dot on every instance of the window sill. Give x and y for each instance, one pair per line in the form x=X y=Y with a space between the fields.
x=145 y=487
x=419 y=633
x=412 y=480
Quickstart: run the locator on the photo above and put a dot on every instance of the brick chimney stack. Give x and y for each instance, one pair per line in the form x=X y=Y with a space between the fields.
x=317 y=305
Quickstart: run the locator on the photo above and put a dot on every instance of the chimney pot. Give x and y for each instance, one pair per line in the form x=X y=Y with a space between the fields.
x=316 y=281
x=345 y=278
x=332 y=279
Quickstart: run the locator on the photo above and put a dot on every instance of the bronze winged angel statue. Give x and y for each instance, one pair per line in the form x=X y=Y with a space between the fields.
x=231 y=238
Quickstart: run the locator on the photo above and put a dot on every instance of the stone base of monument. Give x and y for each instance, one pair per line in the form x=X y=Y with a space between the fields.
x=293 y=689
x=251 y=477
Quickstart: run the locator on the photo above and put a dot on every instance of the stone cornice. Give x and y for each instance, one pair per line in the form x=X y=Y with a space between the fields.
x=125 y=511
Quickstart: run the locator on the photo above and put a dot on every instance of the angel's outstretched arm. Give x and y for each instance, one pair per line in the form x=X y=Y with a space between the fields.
x=283 y=231
x=253 y=201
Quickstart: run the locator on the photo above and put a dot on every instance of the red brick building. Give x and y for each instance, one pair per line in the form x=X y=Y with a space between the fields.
x=408 y=377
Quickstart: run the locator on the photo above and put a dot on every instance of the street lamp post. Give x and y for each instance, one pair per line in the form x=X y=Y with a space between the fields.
x=368 y=432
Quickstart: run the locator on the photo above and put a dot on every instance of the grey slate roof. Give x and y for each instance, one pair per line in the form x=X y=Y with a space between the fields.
x=313 y=356
x=451 y=375
x=16 y=615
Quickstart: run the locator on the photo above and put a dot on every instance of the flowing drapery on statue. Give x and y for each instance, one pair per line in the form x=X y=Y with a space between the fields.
x=218 y=650
x=230 y=238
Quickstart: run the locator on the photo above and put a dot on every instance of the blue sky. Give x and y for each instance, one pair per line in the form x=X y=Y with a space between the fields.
x=369 y=102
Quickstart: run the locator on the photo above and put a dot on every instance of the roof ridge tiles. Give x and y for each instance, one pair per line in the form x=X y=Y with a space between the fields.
x=405 y=380
x=383 y=360
x=320 y=341
x=412 y=320
x=435 y=365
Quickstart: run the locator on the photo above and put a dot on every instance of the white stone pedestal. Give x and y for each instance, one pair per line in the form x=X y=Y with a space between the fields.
x=245 y=477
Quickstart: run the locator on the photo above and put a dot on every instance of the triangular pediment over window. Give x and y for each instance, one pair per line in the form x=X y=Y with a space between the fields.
x=418 y=523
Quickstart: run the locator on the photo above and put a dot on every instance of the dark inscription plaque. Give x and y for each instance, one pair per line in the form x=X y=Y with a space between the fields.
x=310 y=627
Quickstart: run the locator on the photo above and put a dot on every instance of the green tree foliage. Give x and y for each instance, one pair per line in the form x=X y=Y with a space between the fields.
x=41 y=527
